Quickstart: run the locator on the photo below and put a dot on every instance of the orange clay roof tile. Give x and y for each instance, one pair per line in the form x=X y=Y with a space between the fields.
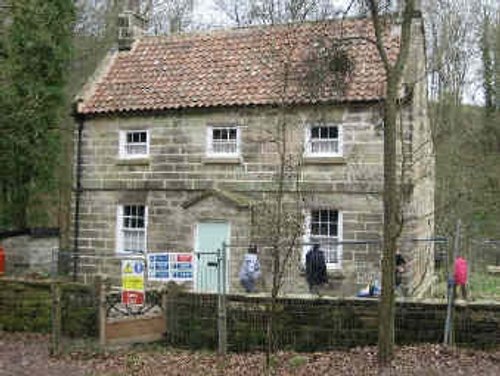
x=241 y=67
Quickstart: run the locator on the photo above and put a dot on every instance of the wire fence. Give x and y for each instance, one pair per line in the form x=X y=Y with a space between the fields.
x=194 y=315
x=483 y=264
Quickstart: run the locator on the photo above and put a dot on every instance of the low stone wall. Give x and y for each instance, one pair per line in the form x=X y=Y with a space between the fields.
x=25 y=305
x=31 y=252
x=323 y=324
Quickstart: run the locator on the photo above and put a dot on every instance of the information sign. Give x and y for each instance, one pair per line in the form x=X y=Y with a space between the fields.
x=133 y=282
x=177 y=267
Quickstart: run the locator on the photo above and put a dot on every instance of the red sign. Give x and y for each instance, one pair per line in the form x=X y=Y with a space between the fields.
x=133 y=297
x=184 y=258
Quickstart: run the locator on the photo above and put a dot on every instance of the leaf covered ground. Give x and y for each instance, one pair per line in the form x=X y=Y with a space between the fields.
x=28 y=354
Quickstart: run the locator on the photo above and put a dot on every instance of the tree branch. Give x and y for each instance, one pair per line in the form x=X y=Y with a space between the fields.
x=377 y=25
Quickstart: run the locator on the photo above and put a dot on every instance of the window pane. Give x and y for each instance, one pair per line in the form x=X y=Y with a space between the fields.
x=333 y=132
x=315 y=132
x=324 y=229
x=324 y=215
x=224 y=141
x=133 y=231
x=334 y=215
x=133 y=241
x=136 y=143
x=333 y=229
x=331 y=254
x=315 y=216
x=314 y=229
x=324 y=133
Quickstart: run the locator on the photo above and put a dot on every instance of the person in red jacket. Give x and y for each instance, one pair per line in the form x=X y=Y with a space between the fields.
x=460 y=276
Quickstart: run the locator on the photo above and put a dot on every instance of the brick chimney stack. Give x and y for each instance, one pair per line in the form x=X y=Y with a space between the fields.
x=132 y=22
x=399 y=5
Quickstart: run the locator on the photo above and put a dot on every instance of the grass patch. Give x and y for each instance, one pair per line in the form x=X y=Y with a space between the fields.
x=484 y=286
x=297 y=361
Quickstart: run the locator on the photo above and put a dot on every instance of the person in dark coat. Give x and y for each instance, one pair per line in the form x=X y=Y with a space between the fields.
x=400 y=270
x=315 y=268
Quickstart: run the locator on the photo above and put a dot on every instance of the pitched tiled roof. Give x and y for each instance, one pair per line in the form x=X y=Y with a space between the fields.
x=240 y=67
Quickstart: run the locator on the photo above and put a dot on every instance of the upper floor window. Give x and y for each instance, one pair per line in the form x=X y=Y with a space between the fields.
x=134 y=144
x=324 y=226
x=223 y=141
x=131 y=228
x=323 y=140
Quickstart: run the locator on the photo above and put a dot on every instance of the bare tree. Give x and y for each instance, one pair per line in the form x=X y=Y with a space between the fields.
x=239 y=12
x=171 y=16
x=279 y=216
x=394 y=71
x=461 y=40
x=271 y=12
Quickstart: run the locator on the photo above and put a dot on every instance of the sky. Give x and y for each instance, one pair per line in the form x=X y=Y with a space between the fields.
x=207 y=13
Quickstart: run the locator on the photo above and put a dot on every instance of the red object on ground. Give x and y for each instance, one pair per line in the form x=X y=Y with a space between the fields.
x=460 y=271
x=2 y=261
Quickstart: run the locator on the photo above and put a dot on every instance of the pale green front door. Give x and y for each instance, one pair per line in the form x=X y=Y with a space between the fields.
x=209 y=238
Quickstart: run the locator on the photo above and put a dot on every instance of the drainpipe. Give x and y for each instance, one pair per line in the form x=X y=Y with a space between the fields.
x=76 y=220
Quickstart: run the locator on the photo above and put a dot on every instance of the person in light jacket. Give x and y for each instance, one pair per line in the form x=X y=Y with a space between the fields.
x=250 y=269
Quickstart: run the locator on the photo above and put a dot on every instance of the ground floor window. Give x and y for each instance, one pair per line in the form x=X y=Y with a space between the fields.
x=131 y=228
x=324 y=226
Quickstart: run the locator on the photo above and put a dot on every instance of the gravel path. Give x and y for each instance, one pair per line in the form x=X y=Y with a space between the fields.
x=27 y=354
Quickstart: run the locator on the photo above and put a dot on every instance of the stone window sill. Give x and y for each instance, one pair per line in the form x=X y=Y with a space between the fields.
x=221 y=160
x=133 y=162
x=324 y=160
x=335 y=273
x=332 y=273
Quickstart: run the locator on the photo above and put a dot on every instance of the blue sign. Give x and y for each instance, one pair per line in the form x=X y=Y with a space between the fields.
x=170 y=267
x=138 y=267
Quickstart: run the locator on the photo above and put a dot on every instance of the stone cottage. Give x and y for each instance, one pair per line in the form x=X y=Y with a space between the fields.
x=180 y=138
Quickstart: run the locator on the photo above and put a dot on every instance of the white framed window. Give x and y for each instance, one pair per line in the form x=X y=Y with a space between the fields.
x=131 y=228
x=324 y=226
x=323 y=140
x=223 y=141
x=134 y=144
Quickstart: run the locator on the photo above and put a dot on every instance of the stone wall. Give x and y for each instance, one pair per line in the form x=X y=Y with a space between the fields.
x=30 y=254
x=420 y=168
x=324 y=324
x=178 y=171
x=26 y=306
x=178 y=159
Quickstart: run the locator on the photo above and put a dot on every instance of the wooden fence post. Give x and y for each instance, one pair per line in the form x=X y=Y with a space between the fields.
x=452 y=255
x=55 y=348
x=101 y=316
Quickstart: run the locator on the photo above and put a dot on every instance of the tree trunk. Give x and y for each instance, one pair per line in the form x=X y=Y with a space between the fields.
x=391 y=225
